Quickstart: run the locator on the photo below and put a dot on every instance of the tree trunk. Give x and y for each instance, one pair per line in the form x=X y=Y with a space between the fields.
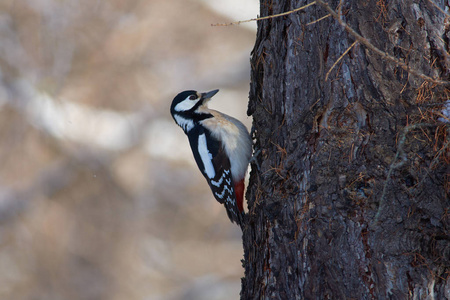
x=350 y=198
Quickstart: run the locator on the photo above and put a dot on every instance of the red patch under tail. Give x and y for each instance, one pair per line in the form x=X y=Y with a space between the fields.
x=239 y=191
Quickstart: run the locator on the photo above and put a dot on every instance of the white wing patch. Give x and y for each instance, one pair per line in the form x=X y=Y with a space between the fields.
x=184 y=123
x=235 y=138
x=225 y=189
x=231 y=203
x=206 y=156
x=219 y=182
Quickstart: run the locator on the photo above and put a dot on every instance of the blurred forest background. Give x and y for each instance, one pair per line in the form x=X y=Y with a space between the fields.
x=100 y=197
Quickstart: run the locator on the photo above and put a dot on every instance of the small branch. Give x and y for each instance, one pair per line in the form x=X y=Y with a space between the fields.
x=369 y=45
x=441 y=151
x=318 y=20
x=395 y=164
x=440 y=9
x=267 y=17
x=339 y=59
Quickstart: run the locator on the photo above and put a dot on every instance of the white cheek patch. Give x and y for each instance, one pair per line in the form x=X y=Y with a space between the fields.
x=186 y=104
x=205 y=156
x=186 y=124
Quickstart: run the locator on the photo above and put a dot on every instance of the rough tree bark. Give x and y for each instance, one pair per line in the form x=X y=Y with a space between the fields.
x=351 y=199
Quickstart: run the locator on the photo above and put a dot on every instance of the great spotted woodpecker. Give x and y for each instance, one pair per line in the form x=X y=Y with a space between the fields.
x=221 y=145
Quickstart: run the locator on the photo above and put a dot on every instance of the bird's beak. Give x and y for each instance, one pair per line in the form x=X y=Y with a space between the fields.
x=208 y=95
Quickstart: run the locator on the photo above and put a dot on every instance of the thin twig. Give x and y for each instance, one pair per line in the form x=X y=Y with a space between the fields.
x=400 y=155
x=437 y=6
x=438 y=155
x=369 y=45
x=337 y=61
x=318 y=20
x=267 y=17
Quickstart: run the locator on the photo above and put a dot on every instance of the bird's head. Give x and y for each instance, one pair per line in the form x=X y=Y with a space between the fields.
x=186 y=104
x=189 y=101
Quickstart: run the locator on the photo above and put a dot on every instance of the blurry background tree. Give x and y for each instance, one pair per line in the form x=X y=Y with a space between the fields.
x=100 y=197
x=352 y=197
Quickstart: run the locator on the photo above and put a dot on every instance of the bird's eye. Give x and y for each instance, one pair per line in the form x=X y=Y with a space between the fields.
x=193 y=97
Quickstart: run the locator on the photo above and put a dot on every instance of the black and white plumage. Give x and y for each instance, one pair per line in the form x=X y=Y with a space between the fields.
x=221 y=145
